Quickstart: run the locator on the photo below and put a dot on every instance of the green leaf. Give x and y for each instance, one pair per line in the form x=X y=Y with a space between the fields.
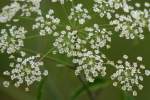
x=98 y=84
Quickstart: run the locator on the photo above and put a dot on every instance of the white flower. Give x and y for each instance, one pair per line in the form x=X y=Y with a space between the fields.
x=147 y=72
x=130 y=27
x=147 y=4
x=102 y=8
x=61 y=1
x=85 y=48
x=83 y=44
x=129 y=76
x=47 y=24
x=29 y=6
x=91 y=64
x=105 y=7
x=130 y=23
x=68 y=42
x=79 y=14
x=25 y=71
x=6 y=84
x=25 y=6
x=9 y=11
x=97 y=37
x=11 y=39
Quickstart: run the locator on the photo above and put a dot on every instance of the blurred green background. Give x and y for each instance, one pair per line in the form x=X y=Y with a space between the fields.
x=61 y=83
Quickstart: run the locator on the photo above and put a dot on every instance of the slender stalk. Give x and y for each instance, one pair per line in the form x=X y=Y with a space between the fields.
x=34 y=36
x=89 y=93
x=40 y=87
x=47 y=57
x=66 y=14
x=46 y=54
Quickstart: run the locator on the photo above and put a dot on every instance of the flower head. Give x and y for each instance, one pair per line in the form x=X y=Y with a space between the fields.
x=129 y=76
x=9 y=11
x=27 y=7
x=47 y=24
x=61 y=1
x=91 y=65
x=11 y=39
x=79 y=14
x=25 y=70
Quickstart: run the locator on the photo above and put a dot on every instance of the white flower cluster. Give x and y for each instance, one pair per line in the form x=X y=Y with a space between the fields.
x=84 y=44
x=8 y=12
x=27 y=7
x=98 y=37
x=91 y=64
x=120 y=4
x=47 y=24
x=85 y=48
x=110 y=7
x=102 y=8
x=79 y=14
x=130 y=25
x=91 y=60
x=68 y=42
x=11 y=39
x=25 y=71
x=129 y=76
x=61 y=1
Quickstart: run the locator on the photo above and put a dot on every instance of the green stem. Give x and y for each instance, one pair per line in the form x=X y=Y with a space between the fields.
x=40 y=87
x=89 y=93
x=34 y=36
x=66 y=14
x=47 y=57
x=46 y=54
x=26 y=18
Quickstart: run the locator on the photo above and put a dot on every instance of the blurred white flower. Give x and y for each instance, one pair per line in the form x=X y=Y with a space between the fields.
x=25 y=71
x=47 y=24
x=129 y=75
x=11 y=39
x=9 y=11
x=79 y=14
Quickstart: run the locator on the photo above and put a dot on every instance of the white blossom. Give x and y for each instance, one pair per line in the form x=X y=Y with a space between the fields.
x=25 y=71
x=47 y=24
x=130 y=27
x=84 y=43
x=102 y=8
x=130 y=23
x=6 y=84
x=79 y=14
x=97 y=37
x=74 y=44
x=91 y=64
x=68 y=41
x=27 y=7
x=129 y=75
x=61 y=1
x=11 y=39
x=9 y=11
